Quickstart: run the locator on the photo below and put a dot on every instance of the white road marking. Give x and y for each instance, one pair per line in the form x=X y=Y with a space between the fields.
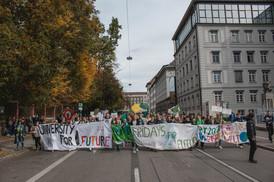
x=49 y=168
x=262 y=137
x=228 y=166
x=136 y=174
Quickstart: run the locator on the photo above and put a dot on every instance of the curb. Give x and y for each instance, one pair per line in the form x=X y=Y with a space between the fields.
x=261 y=128
x=263 y=147
x=266 y=148
x=11 y=140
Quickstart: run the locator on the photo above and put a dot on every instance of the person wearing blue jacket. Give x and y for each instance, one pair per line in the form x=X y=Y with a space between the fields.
x=19 y=134
x=269 y=124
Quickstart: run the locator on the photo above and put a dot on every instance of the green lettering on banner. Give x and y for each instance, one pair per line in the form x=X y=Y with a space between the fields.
x=153 y=131
x=158 y=130
x=145 y=128
x=163 y=131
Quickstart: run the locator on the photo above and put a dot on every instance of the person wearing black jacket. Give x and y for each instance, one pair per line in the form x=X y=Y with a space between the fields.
x=251 y=134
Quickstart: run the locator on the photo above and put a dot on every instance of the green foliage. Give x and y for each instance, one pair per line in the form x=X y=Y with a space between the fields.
x=50 y=49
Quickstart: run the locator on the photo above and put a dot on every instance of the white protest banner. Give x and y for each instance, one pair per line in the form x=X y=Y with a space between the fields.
x=58 y=136
x=234 y=133
x=95 y=135
x=209 y=133
x=165 y=136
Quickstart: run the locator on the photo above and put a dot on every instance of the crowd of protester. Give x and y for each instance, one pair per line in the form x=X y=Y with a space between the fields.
x=20 y=127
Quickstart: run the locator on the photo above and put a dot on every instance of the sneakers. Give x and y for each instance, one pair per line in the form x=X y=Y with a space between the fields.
x=241 y=146
x=220 y=147
x=253 y=161
x=16 y=149
x=137 y=150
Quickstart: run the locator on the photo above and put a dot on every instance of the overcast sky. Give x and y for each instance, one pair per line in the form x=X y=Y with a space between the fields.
x=152 y=24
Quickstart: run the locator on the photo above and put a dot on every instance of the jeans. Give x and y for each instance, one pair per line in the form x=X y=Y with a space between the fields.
x=253 y=148
x=37 y=142
x=269 y=128
x=18 y=139
x=135 y=145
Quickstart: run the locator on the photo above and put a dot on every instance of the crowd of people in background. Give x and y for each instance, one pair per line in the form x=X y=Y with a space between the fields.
x=20 y=127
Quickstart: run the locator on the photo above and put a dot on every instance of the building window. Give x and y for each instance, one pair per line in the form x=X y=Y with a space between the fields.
x=272 y=35
x=253 y=96
x=184 y=87
x=248 y=36
x=240 y=96
x=196 y=79
x=238 y=76
x=183 y=71
x=186 y=68
x=191 y=66
x=194 y=41
x=264 y=56
x=189 y=45
x=191 y=82
x=187 y=84
x=235 y=36
x=217 y=76
x=265 y=74
x=215 y=57
x=213 y=36
x=182 y=55
x=262 y=36
x=237 y=56
x=242 y=112
x=250 y=56
x=185 y=51
x=218 y=96
x=252 y=76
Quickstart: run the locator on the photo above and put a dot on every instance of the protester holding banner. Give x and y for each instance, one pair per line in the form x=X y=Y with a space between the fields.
x=239 y=119
x=37 y=136
x=199 y=121
x=108 y=119
x=219 y=120
x=269 y=124
x=135 y=122
x=152 y=121
x=251 y=134
x=159 y=119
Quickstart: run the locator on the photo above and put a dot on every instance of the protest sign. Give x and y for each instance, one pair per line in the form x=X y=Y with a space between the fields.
x=226 y=111
x=216 y=108
x=100 y=116
x=209 y=133
x=58 y=136
x=95 y=135
x=114 y=114
x=234 y=133
x=165 y=136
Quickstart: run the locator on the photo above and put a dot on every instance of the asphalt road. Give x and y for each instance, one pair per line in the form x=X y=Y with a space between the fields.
x=212 y=164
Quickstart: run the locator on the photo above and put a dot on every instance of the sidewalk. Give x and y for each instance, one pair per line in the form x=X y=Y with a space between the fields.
x=261 y=126
x=8 y=147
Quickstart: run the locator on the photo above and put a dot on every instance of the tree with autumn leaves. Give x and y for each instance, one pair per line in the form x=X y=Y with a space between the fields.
x=51 y=52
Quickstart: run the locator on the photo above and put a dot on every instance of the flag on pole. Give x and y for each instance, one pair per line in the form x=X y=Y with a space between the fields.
x=143 y=106
x=152 y=111
x=176 y=110
x=124 y=116
x=135 y=108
